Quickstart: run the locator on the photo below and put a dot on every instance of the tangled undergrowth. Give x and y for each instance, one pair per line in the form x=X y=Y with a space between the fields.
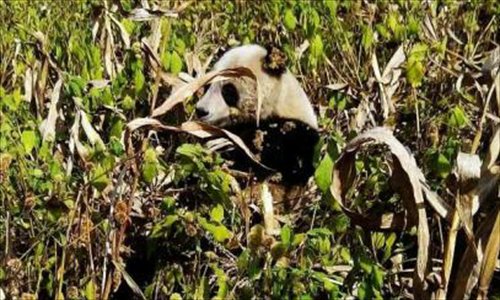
x=94 y=207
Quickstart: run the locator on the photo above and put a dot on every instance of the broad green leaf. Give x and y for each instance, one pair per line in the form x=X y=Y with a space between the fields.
x=29 y=140
x=149 y=171
x=139 y=81
x=378 y=240
x=413 y=25
x=289 y=20
x=202 y=289
x=128 y=103
x=458 y=118
x=332 y=7
x=175 y=63
x=166 y=59
x=415 y=67
x=90 y=290
x=367 y=38
x=221 y=233
x=323 y=173
x=217 y=213
x=366 y=264
x=175 y=296
x=298 y=239
x=116 y=146
x=286 y=235
x=117 y=128
x=278 y=250
x=418 y=52
x=180 y=46
x=317 y=47
x=12 y=101
x=378 y=277
x=415 y=73
x=443 y=166
x=383 y=31
x=100 y=178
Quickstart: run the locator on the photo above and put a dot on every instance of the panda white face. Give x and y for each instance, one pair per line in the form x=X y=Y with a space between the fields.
x=223 y=100
x=235 y=94
x=282 y=95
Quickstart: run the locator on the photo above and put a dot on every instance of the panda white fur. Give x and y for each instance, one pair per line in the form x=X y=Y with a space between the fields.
x=287 y=132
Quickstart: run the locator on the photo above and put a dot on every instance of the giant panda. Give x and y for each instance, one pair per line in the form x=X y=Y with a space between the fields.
x=284 y=139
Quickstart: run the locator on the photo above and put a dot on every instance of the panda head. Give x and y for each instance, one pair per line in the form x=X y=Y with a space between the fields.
x=235 y=99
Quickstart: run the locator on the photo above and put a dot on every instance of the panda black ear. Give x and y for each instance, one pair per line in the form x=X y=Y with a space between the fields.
x=275 y=61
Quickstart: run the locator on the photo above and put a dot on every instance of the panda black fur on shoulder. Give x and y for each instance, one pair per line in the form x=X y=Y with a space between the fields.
x=287 y=132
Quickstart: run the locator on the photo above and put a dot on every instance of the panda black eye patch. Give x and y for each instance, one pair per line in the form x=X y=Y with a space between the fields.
x=230 y=94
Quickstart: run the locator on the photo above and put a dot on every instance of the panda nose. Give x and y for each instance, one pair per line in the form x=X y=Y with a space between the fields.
x=201 y=112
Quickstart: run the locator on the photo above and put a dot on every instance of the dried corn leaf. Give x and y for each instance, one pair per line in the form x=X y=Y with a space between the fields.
x=470 y=263
x=90 y=132
x=336 y=86
x=48 y=126
x=75 y=140
x=270 y=222
x=388 y=80
x=407 y=179
x=394 y=63
x=493 y=149
x=129 y=280
x=189 y=89
x=200 y=130
x=146 y=14
x=468 y=171
x=123 y=32
x=489 y=260
x=28 y=85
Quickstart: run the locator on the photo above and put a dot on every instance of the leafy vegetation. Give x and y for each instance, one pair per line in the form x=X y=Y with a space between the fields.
x=91 y=209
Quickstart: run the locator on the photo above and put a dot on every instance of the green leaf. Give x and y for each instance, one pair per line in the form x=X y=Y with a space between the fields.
x=366 y=264
x=150 y=165
x=90 y=290
x=418 y=52
x=413 y=25
x=383 y=31
x=217 y=213
x=415 y=68
x=415 y=73
x=175 y=63
x=128 y=103
x=100 y=178
x=180 y=46
x=368 y=38
x=202 y=289
x=29 y=140
x=289 y=20
x=378 y=277
x=332 y=6
x=221 y=233
x=378 y=240
x=298 y=239
x=162 y=227
x=139 y=80
x=149 y=171
x=116 y=128
x=12 y=101
x=458 y=118
x=175 y=296
x=323 y=174
x=116 y=146
x=286 y=235
x=278 y=250
x=317 y=47
x=443 y=166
